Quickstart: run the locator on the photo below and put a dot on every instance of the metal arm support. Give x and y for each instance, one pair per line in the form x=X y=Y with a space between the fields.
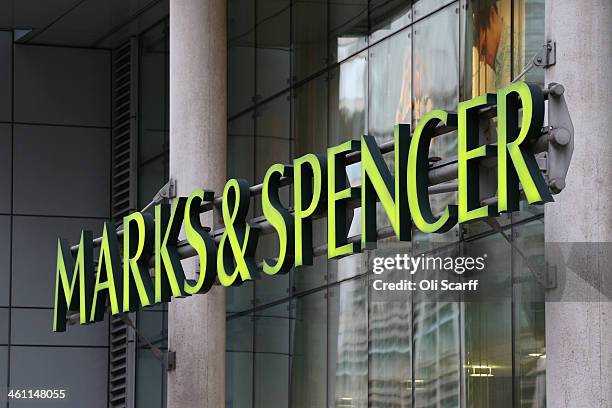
x=560 y=139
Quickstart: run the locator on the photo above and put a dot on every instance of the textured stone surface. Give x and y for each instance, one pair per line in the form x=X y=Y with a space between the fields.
x=579 y=334
x=198 y=152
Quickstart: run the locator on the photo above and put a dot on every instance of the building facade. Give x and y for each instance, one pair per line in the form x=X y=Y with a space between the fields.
x=103 y=105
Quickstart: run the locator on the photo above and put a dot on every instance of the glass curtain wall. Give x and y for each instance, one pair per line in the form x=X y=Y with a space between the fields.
x=305 y=75
x=153 y=143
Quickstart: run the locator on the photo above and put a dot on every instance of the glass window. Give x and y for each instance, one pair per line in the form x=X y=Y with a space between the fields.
x=387 y=17
x=273 y=41
x=528 y=37
x=348 y=99
x=309 y=350
x=154 y=93
x=422 y=8
x=239 y=379
x=488 y=46
x=529 y=313
x=241 y=55
x=309 y=27
x=390 y=350
x=272 y=357
x=488 y=326
x=390 y=84
x=348 y=28
x=348 y=344
x=239 y=362
x=326 y=72
x=435 y=79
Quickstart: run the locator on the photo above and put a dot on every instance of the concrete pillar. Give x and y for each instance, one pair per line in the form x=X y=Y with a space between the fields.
x=198 y=152
x=579 y=333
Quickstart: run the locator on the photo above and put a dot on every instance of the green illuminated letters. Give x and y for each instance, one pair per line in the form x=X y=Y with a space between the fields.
x=512 y=141
x=280 y=218
x=203 y=244
x=337 y=196
x=108 y=278
x=468 y=159
x=320 y=187
x=310 y=172
x=137 y=248
x=74 y=292
x=238 y=243
x=376 y=182
x=169 y=274
x=418 y=177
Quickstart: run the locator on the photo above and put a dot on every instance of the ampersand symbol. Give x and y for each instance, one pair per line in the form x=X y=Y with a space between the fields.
x=239 y=240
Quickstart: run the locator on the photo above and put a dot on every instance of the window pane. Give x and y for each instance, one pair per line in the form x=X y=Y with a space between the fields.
x=273 y=47
x=348 y=28
x=390 y=350
x=390 y=85
x=150 y=381
x=488 y=51
x=151 y=177
x=309 y=37
x=241 y=55
x=423 y=7
x=348 y=344
x=348 y=99
x=387 y=17
x=239 y=380
x=272 y=145
x=488 y=326
x=528 y=36
x=240 y=333
x=154 y=93
x=529 y=305
x=309 y=351
x=241 y=148
x=272 y=357
x=436 y=86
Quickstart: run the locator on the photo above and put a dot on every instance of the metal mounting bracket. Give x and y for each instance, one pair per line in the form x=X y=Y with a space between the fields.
x=167 y=358
x=167 y=191
x=560 y=139
x=547 y=56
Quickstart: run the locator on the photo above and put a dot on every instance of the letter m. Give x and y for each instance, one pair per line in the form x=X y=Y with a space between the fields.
x=73 y=292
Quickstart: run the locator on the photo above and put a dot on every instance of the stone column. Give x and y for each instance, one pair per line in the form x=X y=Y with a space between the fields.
x=198 y=152
x=579 y=333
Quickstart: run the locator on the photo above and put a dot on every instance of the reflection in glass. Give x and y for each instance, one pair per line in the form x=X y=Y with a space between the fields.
x=150 y=381
x=348 y=28
x=272 y=357
x=436 y=86
x=528 y=36
x=387 y=17
x=239 y=379
x=488 y=326
x=421 y=8
x=310 y=117
x=348 y=99
x=390 y=348
x=487 y=46
x=240 y=55
x=309 y=27
x=437 y=342
x=154 y=93
x=241 y=148
x=390 y=85
x=309 y=351
x=529 y=306
x=348 y=344
x=273 y=47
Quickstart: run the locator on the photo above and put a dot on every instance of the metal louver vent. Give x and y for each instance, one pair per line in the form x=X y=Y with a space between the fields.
x=124 y=201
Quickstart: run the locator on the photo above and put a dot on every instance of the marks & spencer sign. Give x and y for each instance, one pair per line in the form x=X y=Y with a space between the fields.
x=122 y=281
